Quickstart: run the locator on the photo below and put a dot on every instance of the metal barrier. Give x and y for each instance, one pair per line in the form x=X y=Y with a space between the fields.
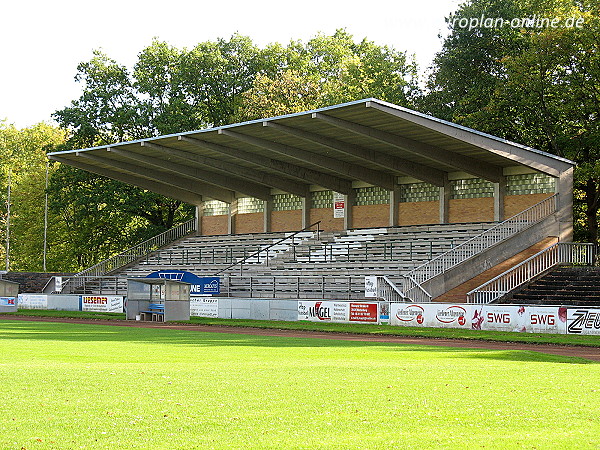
x=414 y=279
x=559 y=253
x=95 y=285
x=388 y=291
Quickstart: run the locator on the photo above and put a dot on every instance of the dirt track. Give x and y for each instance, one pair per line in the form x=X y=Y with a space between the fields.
x=591 y=353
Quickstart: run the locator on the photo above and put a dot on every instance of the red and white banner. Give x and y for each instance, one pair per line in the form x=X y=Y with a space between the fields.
x=102 y=303
x=340 y=312
x=529 y=319
x=339 y=205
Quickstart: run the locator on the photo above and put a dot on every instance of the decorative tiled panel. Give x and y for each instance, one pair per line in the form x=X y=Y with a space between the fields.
x=530 y=183
x=321 y=199
x=419 y=192
x=215 y=208
x=286 y=202
x=471 y=188
x=373 y=195
x=247 y=205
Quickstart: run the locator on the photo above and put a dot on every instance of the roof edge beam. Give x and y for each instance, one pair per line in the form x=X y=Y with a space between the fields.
x=299 y=173
x=343 y=168
x=399 y=165
x=467 y=164
x=179 y=194
x=231 y=183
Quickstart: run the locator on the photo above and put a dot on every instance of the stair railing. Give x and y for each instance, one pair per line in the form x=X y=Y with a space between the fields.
x=559 y=253
x=266 y=249
x=413 y=280
x=388 y=291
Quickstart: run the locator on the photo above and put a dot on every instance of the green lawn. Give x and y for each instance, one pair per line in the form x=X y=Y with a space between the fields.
x=67 y=386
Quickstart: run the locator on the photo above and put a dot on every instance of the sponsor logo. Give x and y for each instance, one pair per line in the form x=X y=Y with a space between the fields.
x=320 y=312
x=584 y=319
x=411 y=313
x=493 y=317
x=95 y=300
x=452 y=314
x=543 y=319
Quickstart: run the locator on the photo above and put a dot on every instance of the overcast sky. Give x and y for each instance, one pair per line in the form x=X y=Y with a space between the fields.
x=43 y=40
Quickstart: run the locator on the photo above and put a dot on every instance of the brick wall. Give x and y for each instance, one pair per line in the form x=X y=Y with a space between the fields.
x=249 y=223
x=418 y=213
x=514 y=204
x=286 y=220
x=325 y=215
x=214 y=225
x=367 y=216
x=471 y=210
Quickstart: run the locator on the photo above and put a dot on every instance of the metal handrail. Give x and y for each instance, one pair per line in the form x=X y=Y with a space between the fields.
x=139 y=250
x=266 y=249
x=388 y=291
x=498 y=233
x=559 y=253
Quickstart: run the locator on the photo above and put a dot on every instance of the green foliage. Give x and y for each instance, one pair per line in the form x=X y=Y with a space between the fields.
x=538 y=86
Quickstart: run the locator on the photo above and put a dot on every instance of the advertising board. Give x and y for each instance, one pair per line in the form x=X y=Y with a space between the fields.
x=32 y=301
x=102 y=303
x=341 y=312
x=204 y=307
x=199 y=285
x=8 y=301
x=583 y=321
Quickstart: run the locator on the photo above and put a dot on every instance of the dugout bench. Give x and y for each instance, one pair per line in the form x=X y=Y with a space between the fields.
x=157 y=299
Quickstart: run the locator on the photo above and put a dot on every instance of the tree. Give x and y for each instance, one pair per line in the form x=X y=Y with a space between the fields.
x=538 y=86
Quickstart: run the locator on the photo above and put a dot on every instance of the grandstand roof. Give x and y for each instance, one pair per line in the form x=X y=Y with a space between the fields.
x=366 y=140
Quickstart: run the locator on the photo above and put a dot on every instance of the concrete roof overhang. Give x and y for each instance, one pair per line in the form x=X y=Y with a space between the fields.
x=367 y=140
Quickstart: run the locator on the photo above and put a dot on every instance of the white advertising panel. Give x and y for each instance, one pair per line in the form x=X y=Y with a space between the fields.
x=204 y=307
x=32 y=301
x=339 y=205
x=370 y=287
x=437 y=315
x=8 y=301
x=525 y=319
x=330 y=311
x=583 y=321
x=102 y=303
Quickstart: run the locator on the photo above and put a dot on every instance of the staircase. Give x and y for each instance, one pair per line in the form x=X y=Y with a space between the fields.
x=562 y=286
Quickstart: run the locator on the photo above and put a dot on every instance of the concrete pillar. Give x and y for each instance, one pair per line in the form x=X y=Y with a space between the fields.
x=267 y=210
x=349 y=201
x=198 y=216
x=499 y=195
x=305 y=211
x=445 y=191
x=231 y=217
x=394 y=201
x=564 y=189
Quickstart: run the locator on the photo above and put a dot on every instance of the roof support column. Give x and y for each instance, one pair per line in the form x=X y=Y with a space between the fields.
x=305 y=212
x=233 y=207
x=445 y=191
x=349 y=200
x=267 y=210
x=198 y=217
x=564 y=189
x=394 y=205
x=499 y=195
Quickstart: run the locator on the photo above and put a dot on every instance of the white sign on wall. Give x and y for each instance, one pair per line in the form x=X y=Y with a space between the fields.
x=371 y=287
x=102 y=303
x=32 y=301
x=204 y=307
x=583 y=321
x=339 y=205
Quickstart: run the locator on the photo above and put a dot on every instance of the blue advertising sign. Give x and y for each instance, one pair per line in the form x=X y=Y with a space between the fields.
x=200 y=285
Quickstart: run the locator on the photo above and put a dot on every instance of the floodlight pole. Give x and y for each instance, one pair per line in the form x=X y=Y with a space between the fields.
x=46 y=218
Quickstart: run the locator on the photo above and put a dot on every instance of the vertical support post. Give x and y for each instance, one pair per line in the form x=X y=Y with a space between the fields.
x=198 y=217
x=394 y=205
x=305 y=211
x=349 y=201
x=267 y=210
x=499 y=195
x=445 y=201
x=231 y=215
x=564 y=189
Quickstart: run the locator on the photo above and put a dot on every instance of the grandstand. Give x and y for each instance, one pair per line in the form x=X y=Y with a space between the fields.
x=306 y=205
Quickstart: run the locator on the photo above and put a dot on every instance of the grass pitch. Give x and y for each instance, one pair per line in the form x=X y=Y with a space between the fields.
x=68 y=386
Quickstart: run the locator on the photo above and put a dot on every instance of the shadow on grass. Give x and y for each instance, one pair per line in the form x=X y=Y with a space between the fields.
x=53 y=331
